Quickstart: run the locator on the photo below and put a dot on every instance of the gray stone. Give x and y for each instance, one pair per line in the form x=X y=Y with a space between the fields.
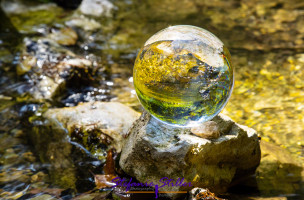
x=18 y=6
x=83 y=22
x=96 y=8
x=208 y=130
x=49 y=66
x=82 y=133
x=154 y=150
x=111 y=119
x=45 y=88
x=64 y=36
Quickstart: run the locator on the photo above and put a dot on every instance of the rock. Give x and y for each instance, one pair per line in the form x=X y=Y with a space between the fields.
x=154 y=150
x=64 y=36
x=19 y=6
x=96 y=8
x=48 y=67
x=9 y=37
x=38 y=177
x=45 y=88
x=84 y=23
x=201 y=194
x=30 y=16
x=208 y=130
x=26 y=65
x=74 y=140
x=279 y=171
x=43 y=197
x=194 y=192
x=109 y=121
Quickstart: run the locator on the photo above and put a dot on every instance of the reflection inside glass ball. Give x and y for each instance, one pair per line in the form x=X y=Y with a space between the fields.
x=183 y=75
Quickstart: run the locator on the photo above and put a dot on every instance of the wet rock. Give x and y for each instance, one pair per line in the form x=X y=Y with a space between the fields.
x=194 y=192
x=26 y=65
x=64 y=36
x=19 y=6
x=202 y=194
x=30 y=16
x=45 y=88
x=9 y=157
x=83 y=22
x=38 y=177
x=96 y=8
x=279 y=171
x=154 y=150
x=9 y=37
x=75 y=140
x=108 y=121
x=43 y=197
x=48 y=67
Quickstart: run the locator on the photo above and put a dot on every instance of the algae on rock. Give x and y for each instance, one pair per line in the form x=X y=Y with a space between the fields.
x=279 y=171
x=74 y=140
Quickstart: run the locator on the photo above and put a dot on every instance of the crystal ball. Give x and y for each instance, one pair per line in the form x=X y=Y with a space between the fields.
x=183 y=75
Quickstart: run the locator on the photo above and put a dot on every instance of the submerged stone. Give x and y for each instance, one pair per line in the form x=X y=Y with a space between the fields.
x=30 y=16
x=279 y=172
x=96 y=8
x=183 y=75
x=64 y=36
x=49 y=67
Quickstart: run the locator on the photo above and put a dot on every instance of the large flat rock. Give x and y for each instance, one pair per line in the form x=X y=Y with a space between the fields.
x=154 y=150
x=75 y=140
x=111 y=120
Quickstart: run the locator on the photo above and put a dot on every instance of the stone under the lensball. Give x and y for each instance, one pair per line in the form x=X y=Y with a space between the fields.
x=183 y=75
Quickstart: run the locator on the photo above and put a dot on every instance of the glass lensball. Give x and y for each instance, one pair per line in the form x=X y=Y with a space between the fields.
x=183 y=75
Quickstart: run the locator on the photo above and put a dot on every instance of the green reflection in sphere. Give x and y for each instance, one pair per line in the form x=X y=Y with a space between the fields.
x=183 y=75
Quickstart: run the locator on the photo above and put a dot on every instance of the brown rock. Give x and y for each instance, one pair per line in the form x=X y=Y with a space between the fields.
x=208 y=130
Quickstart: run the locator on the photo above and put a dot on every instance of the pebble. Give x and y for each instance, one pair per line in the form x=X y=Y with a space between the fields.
x=208 y=130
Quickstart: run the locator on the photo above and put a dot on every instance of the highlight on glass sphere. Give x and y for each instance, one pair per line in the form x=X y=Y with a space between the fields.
x=183 y=75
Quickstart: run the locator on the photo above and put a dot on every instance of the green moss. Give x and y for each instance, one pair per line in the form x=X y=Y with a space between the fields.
x=27 y=22
x=94 y=140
